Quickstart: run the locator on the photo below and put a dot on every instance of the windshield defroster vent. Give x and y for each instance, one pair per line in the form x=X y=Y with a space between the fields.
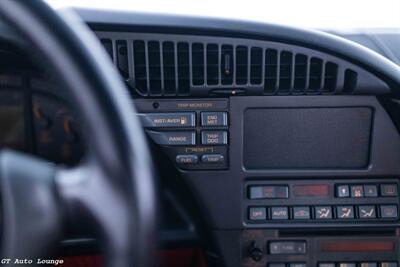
x=174 y=65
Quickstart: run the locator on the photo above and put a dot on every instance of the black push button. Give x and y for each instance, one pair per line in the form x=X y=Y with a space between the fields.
x=346 y=264
x=212 y=158
x=279 y=213
x=369 y=264
x=323 y=213
x=370 y=190
x=326 y=264
x=214 y=137
x=287 y=247
x=173 y=138
x=187 y=159
x=343 y=191
x=388 y=211
x=367 y=212
x=214 y=119
x=162 y=120
x=389 y=190
x=301 y=213
x=357 y=191
x=257 y=214
x=345 y=212
x=297 y=265
x=269 y=191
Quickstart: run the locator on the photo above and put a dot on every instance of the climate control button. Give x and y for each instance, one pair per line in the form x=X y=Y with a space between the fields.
x=279 y=213
x=367 y=212
x=323 y=212
x=389 y=190
x=388 y=211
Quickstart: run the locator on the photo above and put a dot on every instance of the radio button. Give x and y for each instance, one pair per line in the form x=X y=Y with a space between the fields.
x=257 y=214
x=388 y=211
x=279 y=213
x=214 y=119
x=367 y=212
x=301 y=213
x=214 y=137
x=389 y=190
x=173 y=138
x=162 y=120
x=287 y=247
x=187 y=159
x=323 y=213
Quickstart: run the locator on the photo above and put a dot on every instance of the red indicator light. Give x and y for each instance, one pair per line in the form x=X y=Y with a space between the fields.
x=321 y=190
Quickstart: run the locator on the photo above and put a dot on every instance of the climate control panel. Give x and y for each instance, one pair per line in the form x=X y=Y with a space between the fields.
x=321 y=202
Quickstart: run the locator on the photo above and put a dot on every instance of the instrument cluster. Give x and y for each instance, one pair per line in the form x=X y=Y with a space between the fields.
x=36 y=118
x=57 y=135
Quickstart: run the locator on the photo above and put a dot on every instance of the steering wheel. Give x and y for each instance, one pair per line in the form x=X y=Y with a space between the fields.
x=113 y=188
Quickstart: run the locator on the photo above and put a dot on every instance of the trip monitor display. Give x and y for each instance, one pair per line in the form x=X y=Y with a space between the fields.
x=12 y=120
x=285 y=138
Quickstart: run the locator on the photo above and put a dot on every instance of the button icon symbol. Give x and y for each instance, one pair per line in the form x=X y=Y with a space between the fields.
x=342 y=191
x=367 y=212
x=357 y=191
x=345 y=212
x=323 y=212
x=388 y=211
x=301 y=213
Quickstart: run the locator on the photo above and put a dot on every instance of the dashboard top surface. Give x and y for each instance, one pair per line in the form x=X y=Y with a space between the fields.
x=147 y=22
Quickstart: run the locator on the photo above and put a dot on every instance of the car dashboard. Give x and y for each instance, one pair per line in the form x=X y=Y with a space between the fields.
x=274 y=147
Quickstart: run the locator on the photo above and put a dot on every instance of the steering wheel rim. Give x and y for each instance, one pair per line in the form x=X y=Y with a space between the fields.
x=114 y=188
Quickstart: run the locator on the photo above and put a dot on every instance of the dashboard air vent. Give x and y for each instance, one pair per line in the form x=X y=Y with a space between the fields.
x=198 y=64
x=122 y=58
x=212 y=64
x=174 y=65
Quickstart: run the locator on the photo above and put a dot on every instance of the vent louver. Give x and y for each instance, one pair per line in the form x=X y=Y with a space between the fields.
x=156 y=67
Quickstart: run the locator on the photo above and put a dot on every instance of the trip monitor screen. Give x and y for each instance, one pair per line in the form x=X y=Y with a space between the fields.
x=12 y=120
x=285 y=138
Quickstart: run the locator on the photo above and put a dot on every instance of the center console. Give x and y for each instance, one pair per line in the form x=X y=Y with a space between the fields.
x=288 y=181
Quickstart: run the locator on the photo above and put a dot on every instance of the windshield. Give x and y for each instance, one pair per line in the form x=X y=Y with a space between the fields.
x=338 y=14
